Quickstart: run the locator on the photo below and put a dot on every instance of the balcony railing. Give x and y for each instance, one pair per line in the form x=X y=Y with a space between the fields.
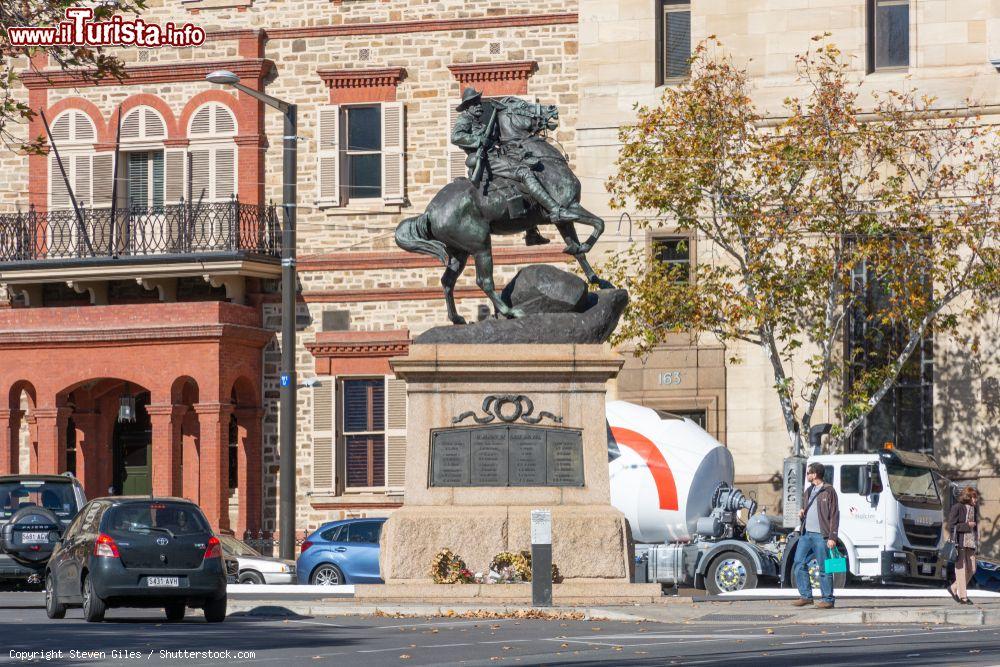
x=222 y=227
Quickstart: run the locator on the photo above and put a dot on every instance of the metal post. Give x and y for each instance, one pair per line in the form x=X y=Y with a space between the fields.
x=541 y=558
x=286 y=448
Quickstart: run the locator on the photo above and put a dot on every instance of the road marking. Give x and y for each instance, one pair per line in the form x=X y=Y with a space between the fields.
x=483 y=621
x=893 y=636
x=296 y=620
x=383 y=650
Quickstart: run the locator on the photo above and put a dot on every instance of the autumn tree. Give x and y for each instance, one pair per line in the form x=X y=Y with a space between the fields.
x=804 y=217
x=90 y=62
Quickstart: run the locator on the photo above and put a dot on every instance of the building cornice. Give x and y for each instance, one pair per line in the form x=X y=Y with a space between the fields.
x=361 y=344
x=135 y=75
x=432 y=25
x=475 y=74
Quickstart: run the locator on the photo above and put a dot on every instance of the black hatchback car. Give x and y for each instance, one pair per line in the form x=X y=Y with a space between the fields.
x=137 y=552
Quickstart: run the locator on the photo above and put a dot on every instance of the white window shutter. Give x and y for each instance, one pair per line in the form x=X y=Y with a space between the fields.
x=173 y=166
x=58 y=192
x=81 y=179
x=199 y=178
x=328 y=155
x=61 y=129
x=324 y=469
x=393 y=160
x=395 y=434
x=456 y=156
x=201 y=123
x=102 y=179
x=130 y=126
x=224 y=173
x=83 y=129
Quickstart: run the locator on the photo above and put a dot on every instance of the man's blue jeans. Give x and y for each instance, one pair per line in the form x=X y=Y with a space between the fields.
x=811 y=545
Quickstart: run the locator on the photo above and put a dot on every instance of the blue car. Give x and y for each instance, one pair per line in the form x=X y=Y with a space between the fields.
x=341 y=552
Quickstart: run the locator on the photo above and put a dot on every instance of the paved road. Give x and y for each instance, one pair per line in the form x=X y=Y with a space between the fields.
x=372 y=642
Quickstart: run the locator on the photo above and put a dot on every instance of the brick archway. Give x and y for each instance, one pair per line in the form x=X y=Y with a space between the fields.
x=193 y=358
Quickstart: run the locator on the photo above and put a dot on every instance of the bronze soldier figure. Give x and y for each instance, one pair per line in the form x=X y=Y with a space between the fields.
x=507 y=159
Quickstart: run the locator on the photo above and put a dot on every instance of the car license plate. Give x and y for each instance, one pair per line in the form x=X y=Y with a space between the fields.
x=173 y=582
x=34 y=538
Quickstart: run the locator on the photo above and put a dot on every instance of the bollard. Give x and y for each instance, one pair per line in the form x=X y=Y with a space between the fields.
x=541 y=558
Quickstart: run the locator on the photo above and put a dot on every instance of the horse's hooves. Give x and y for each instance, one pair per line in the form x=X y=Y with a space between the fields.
x=603 y=284
x=515 y=313
x=459 y=320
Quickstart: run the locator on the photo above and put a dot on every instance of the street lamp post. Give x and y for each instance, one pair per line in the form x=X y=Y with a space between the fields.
x=286 y=428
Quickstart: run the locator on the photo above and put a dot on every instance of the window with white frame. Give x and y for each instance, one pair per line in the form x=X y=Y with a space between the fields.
x=360 y=155
x=359 y=434
x=88 y=174
x=888 y=34
x=211 y=154
x=673 y=40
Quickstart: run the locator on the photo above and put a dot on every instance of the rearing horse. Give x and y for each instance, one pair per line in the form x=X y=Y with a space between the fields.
x=460 y=218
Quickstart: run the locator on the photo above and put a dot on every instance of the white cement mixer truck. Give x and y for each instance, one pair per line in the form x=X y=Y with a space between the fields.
x=691 y=527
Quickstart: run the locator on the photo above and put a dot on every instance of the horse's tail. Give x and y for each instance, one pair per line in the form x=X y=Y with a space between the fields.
x=414 y=234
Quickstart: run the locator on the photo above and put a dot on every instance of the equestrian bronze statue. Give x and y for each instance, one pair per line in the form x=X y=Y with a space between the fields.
x=517 y=181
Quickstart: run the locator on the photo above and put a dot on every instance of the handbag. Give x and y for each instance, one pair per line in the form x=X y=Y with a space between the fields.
x=948 y=552
x=834 y=563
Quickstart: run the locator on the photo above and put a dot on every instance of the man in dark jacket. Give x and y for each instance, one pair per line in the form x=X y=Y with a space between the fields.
x=820 y=522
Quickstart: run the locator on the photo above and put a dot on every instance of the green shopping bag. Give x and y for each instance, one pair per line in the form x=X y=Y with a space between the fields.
x=834 y=563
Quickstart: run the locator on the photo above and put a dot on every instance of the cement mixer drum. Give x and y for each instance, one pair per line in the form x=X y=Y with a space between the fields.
x=664 y=471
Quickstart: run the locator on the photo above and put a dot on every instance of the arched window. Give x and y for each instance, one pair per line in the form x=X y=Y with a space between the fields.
x=74 y=135
x=212 y=152
x=143 y=131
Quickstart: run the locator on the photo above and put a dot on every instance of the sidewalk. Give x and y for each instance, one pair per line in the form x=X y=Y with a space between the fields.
x=683 y=610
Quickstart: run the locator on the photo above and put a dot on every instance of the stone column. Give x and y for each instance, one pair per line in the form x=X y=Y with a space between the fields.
x=89 y=457
x=51 y=424
x=213 y=419
x=10 y=429
x=32 y=443
x=249 y=479
x=166 y=420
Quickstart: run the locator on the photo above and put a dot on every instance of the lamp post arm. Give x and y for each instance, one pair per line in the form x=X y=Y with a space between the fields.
x=266 y=99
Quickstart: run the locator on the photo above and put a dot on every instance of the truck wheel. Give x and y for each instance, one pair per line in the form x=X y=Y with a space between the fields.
x=730 y=571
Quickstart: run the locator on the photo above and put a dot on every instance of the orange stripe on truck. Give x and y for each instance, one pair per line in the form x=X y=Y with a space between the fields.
x=666 y=487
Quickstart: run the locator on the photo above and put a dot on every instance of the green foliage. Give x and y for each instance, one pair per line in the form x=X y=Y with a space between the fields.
x=92 y=63
x=789 y=212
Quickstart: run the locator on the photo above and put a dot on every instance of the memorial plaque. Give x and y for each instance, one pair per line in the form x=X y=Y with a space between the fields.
x=527 y=456
x=450 y=454
x=489 y=456
x=564 y=465
x=502 y=455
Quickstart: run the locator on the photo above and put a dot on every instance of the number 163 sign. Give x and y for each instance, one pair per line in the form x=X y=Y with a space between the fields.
x=670 y=378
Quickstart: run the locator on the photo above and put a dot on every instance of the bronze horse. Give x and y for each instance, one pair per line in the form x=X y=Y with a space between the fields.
x=461 y=217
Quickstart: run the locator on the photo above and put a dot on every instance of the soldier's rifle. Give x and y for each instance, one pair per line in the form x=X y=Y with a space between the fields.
x=477 y=173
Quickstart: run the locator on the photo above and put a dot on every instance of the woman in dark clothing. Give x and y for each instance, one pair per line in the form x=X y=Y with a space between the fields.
x=963 y=521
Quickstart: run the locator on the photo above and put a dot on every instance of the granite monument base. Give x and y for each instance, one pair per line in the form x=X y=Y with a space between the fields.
x=514 y=428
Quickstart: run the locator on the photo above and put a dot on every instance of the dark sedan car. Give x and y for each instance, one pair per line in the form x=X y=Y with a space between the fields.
x=137 y=552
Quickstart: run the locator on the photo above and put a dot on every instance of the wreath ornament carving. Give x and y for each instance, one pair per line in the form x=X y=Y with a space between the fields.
x=507 y=408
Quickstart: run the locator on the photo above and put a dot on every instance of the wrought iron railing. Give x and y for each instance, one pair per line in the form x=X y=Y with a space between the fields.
x=183 y=228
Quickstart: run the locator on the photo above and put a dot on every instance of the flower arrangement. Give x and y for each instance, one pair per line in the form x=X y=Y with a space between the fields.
x=512 y=568
x=448 y=568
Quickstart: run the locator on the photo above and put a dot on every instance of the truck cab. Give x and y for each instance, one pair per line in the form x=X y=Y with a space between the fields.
x=891 y=514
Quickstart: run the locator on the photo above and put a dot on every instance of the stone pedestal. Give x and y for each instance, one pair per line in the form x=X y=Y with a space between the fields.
x=589 y=536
